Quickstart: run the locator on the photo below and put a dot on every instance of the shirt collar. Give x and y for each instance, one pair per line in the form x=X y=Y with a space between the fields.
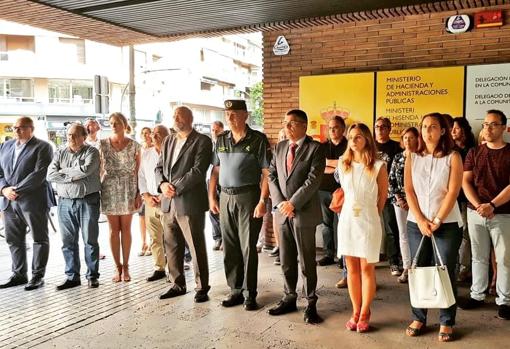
x=299 y=142
x=18 y=144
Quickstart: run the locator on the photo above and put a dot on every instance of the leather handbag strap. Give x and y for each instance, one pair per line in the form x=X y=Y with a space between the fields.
x=434 y=248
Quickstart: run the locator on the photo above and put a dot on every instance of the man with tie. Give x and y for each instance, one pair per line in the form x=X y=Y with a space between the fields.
x=25 y=202
x=294 y=179
x=241 y=161
x=180 y=176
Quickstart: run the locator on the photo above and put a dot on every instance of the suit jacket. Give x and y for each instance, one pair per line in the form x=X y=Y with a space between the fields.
x=28 y=176
x=187 y=174
x=301 y=185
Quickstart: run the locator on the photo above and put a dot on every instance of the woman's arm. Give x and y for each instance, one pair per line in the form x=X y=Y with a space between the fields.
x=454 y=185
x=412 y=200
x=382 y=188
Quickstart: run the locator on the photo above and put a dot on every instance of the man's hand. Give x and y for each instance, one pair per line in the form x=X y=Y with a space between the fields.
x=151 y=200
x=167 y=189
x=260 y=210
x=485 y=210
x=287 y=209
x=214 y=206
x=10 y=193
x=402 y=204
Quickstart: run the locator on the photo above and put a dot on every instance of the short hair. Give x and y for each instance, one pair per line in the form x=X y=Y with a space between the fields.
x=385 y=120
x=446 y=143
x=218 y=123
x=78 y=126
x=339 y=119
x=502 y=116
x=145 y=128
x=187 y=109
x=411 y=129
x=299 y=114
x=162 y=127
x=26 y=120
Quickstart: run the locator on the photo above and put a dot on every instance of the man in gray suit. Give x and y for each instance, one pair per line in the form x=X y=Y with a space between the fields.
x=25 y=192
x=294 y=178
x=180 y=175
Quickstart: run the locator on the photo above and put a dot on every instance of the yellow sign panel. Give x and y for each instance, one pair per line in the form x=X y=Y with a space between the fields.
x=404 y=96
x=350 y=96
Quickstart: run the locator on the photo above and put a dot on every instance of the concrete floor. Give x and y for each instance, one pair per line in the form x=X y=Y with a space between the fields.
x=147 y=322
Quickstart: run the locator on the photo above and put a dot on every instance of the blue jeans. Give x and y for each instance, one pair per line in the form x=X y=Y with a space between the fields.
x=73 y=215
x=448 y=238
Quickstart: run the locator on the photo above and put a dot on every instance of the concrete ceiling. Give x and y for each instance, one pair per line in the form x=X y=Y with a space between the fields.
x=122 y=22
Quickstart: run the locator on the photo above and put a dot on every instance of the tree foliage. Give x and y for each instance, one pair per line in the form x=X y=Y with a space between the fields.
x=257 y=104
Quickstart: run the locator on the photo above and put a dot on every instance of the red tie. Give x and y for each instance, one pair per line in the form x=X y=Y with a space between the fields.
x=290 y=156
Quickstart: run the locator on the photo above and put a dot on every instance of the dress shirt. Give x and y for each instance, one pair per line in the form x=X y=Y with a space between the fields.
x=18 y=148
x=76 y=174
x=146 y=176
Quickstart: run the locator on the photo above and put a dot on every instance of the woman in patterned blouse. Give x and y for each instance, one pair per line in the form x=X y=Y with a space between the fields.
x=409 y=141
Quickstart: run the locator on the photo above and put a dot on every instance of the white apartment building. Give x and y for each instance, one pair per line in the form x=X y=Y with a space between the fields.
x=50 y=77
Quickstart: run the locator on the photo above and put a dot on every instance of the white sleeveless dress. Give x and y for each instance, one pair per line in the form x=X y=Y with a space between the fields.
x=359 y=235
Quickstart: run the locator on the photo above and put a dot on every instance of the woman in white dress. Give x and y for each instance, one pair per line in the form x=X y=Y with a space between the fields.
x=364 y=180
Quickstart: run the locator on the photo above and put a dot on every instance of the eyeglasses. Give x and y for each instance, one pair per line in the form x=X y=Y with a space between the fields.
x=292 y=123
x=381 y=127
x=491 y=124
x=23 y=127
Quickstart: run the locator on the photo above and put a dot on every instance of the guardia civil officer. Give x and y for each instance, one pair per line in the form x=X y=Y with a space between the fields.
x=241 y=160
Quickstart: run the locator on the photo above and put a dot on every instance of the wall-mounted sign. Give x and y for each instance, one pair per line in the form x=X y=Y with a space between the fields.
x=458 y=24
x=404 y=96
x=487 y=87
x=350 y=96
x=281 y=46
x=489 y=19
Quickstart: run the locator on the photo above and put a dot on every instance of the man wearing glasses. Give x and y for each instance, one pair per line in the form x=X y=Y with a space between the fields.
x=24 y=162
x=388 y=149
x=486 y=184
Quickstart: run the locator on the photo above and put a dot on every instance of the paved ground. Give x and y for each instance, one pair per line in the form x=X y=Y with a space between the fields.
x=129 y=315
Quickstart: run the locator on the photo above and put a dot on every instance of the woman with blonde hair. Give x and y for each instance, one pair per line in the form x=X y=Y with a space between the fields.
x=120 y=160
x=432 y=181
x=364 y=180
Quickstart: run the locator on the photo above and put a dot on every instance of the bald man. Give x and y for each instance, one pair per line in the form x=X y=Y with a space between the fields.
x=149 y=192
x=180 y=175
x=25 y=202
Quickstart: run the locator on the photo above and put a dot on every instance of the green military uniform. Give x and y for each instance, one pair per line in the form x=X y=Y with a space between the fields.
x=241 y=167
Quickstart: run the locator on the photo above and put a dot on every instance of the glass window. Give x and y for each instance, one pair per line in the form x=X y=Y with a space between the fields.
x=70 y=91
x=2 y=88
x=22 y=89
x=73 y=50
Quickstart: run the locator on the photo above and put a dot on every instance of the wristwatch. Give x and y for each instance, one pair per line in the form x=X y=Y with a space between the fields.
x=437 y=221
x=492 y=204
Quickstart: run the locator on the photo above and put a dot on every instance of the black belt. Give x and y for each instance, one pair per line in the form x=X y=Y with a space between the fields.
x=239 y=190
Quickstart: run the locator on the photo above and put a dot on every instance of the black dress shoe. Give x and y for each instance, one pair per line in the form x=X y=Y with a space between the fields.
x=157 y=275
x=172 y=292
x=233 y=300
x=469 y=303
x=275 y=252
x=93 y=283
x=283 y=308
x=326 y=260
x=311 y=316
x=201 y=297
x=15 y=280
x=68 y=284
x=34 y=283
x=250 y=304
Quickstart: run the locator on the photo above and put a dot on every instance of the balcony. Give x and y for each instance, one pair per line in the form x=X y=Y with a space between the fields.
x=31 y=107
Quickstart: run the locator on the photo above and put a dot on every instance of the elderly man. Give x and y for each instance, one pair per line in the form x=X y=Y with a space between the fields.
x=25 y=201
x=149 y=192
x=75 y=171
x=241 y=161
x=180 y=176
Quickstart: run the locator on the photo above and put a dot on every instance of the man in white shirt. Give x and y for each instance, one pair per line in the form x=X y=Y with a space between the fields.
x=149 y=191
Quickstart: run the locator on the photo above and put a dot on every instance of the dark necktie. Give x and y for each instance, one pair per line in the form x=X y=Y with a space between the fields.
x=290 y=156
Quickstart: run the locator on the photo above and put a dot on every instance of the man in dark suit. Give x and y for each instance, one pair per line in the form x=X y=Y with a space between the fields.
x=294 y=178
x=180 y=174
x=24 y=201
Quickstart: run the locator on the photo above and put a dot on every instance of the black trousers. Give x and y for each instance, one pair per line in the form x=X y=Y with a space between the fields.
x=16 y=222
